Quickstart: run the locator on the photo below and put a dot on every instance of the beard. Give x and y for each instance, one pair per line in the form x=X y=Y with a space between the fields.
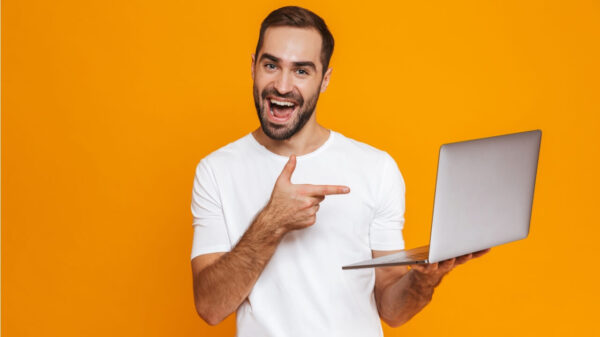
x=283 y=132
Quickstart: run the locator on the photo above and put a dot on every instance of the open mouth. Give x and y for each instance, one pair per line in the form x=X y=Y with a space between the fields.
x=280 y=110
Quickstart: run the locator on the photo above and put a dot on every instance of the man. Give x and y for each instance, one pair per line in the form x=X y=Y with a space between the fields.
x=275 y=219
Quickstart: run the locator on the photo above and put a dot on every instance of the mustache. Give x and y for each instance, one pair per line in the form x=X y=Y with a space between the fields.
x=275 y=94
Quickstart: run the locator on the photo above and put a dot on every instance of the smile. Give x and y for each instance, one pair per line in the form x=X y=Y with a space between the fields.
x=280 y=110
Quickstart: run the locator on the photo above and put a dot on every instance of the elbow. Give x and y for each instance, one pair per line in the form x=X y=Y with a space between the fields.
x=389 y=319
x=211 y=320
x=393 y=322
x=211 y=317
x=393 y=319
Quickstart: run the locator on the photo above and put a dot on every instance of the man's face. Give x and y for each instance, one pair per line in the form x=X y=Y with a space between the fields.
x=288 y=78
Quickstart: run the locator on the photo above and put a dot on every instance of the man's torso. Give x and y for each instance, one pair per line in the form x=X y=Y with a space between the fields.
x=303 y=290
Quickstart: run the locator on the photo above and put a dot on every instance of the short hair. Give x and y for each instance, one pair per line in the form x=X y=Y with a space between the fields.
x=294 y=16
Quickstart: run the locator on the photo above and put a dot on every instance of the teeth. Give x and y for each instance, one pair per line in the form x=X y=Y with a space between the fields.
x=281 y=103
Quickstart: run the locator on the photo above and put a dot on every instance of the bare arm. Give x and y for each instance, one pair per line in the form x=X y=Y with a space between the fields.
x=222 y=281
x=401 y=293
x=223 y=285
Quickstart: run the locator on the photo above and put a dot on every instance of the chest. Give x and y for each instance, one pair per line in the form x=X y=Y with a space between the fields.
x=245 y=191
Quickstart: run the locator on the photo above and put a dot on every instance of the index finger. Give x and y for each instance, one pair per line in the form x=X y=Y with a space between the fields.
x=324 y=189
x=481 y=252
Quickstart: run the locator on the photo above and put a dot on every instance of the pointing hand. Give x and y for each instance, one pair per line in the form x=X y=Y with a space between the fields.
x=294 y=206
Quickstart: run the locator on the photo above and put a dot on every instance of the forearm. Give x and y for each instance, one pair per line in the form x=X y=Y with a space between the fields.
x=220 y=288
x=403 y=299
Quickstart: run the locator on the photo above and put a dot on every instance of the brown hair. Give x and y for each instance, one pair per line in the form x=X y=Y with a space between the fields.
x=302 y=18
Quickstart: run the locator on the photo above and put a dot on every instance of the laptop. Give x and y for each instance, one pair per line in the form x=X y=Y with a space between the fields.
x=483 y=198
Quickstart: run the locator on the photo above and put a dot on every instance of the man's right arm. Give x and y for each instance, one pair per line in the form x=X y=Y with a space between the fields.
x=222 y=281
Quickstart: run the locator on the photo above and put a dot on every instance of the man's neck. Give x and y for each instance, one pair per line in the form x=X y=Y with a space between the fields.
x=307 y=140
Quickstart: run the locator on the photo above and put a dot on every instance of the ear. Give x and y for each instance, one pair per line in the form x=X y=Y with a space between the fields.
x=325 y=81
x=252 y=65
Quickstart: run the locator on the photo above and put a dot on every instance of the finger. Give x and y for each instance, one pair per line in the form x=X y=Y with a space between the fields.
x=432 y=267
x=447 y=265
x=425 y=268
x=321 y=190
x=309 y=212
x=316 y=199
x=310 y=202
x=481 y=252
x=288 y=169
x=464 y=258
x=418 y=267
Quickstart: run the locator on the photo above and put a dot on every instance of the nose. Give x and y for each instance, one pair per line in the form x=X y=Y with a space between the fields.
x=283 y=83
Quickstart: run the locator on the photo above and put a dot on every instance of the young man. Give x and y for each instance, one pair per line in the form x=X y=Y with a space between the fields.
x=267 y=242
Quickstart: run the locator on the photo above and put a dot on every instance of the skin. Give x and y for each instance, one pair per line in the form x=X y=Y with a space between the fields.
x=222 y=281
x=400 y=292
x=292 y=46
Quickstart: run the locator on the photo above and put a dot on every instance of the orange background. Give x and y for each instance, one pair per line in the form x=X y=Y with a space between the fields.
x=107 y=106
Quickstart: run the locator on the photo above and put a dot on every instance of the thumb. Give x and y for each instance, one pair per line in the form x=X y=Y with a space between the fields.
x=288 y=169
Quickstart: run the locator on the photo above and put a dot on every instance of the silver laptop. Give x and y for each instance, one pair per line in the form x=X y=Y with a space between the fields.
x=483 y=198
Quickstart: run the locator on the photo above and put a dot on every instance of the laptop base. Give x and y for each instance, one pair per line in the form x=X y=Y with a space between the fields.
x=417 y=255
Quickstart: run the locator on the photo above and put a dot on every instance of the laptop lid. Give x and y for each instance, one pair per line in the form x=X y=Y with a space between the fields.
x=484 y=193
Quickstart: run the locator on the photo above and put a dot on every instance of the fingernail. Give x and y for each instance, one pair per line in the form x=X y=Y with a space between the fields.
x=346 y=189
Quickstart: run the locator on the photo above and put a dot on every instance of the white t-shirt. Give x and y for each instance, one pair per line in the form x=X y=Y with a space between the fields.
x=303 y=290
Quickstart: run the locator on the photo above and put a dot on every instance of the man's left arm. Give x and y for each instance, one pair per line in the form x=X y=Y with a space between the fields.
x=400 y=292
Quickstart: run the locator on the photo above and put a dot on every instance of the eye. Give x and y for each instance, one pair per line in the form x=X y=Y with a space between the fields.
x=302 y=72
x=270 y=66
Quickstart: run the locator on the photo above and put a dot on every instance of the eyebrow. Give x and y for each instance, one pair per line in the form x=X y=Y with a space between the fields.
x=296 y=64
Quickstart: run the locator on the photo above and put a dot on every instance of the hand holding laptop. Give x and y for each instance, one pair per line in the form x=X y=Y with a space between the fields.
x=483 y=198
x=432 y=273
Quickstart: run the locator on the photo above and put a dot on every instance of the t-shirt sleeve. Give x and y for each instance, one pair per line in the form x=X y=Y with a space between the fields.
x=386 y=228
x=210 y=232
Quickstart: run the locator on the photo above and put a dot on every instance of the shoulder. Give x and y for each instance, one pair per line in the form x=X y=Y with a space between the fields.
x=376 y=164
x=363 y=151
x=228 y=154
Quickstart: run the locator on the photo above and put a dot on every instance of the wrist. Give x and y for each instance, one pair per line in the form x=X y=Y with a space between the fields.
x=423 y=284
x=423 y=278
x=268 y=223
